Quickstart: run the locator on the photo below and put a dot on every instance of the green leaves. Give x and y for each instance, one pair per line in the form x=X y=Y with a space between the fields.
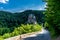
x=52 y=16
x=1 y=38
x=6 y=35
x=4 y=30
x=28 y=28
x=9 y=23
x=23 y=29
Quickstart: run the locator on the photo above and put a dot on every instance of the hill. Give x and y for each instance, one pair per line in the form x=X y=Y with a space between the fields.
x=11 y=20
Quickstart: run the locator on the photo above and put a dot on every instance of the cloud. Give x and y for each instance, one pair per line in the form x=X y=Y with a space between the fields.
x=4 y=1
x=45 y=5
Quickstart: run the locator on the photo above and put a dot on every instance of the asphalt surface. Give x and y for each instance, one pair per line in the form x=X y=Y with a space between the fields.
x=45 y=35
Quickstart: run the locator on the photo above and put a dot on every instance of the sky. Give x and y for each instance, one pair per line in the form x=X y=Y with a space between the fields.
x=21 y=5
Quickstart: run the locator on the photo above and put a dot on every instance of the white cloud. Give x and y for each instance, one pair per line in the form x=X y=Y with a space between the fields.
x=45 y=5
x=4 y=1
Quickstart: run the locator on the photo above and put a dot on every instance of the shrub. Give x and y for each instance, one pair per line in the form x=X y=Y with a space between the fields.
x=27 y=28
x=36 y=27
x=7 y=35
x=4 y=30
x=23 y=29
x=14 y=33
x=1 y=38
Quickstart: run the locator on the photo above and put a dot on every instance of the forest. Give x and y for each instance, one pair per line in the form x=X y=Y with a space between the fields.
x=10 y=22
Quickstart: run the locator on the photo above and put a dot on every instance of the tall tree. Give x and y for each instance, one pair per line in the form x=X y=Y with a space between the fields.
x=52 y=15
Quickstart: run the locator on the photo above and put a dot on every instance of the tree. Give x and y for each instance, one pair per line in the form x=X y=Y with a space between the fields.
x=52 y=15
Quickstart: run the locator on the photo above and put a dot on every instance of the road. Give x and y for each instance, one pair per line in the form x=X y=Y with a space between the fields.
x=43 y=35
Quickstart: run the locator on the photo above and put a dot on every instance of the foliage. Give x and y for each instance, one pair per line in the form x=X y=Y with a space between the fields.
x=14 y=33
x=4 y=30
x=26 y=29
x=23 y=29
x=9 y=20
x=52 y=16
x=12 y=20
x=1 y=38
x=7 y=35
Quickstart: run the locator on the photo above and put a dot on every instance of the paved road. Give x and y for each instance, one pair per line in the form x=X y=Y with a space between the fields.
x=44 y=35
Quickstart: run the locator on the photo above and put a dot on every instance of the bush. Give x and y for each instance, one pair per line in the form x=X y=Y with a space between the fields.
x=36 y=27
x=7 y=35
x=4 y=30
x=23 y=29
x=1 y=38
x=27 y=29
x=14 y=33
